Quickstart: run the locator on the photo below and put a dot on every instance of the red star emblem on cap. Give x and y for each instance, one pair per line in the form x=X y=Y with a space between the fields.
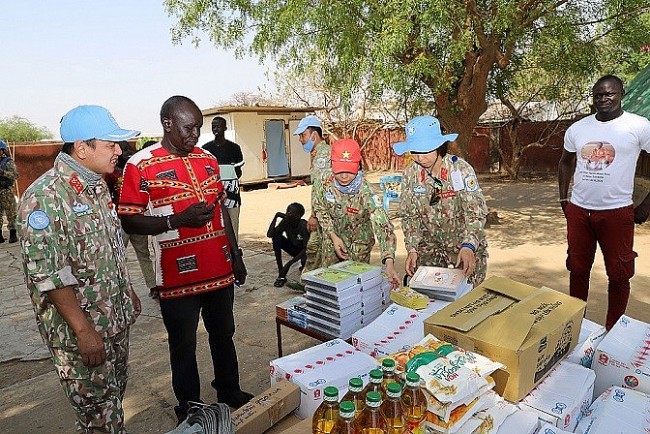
x=345 y=155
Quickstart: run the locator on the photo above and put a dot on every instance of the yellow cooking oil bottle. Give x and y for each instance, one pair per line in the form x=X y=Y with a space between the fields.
x=346 y=423
x=327 y=412
x=414 y=404
x=355 y=387
x=376 y=377
x=371 y=420
x=392 y=409
x=388 y=368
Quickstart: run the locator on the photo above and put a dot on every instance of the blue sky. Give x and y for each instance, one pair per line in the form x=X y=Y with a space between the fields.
x=55 y=55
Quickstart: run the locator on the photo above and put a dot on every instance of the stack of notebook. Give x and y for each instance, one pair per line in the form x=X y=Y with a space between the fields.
x=342 y=298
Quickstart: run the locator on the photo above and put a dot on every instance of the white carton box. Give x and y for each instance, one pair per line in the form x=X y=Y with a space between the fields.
x=622 y=357
x=547 y=428
x=396 y=329
x=440 y=283
x=520 y=422
x=617 y=411
x=590 y=336
x=331 y=363
x=563 y=396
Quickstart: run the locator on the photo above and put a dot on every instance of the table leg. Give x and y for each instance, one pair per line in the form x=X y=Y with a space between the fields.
x=278 y=333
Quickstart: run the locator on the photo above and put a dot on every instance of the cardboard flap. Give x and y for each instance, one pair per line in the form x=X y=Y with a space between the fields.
x=506 y=331
x=508 y=288
x=491 y=297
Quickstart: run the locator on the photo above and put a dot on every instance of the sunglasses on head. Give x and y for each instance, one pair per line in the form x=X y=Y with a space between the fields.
x=437 y=192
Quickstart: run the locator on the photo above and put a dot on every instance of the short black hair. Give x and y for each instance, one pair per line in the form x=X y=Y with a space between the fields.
x=68 y=146
x=170 y=105
x=219 y=119
x=318 y=130
x=614 y=78
x=298 y=207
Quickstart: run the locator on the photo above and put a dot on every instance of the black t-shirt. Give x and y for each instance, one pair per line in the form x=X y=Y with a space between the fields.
x=228 y=154
x=297 y=235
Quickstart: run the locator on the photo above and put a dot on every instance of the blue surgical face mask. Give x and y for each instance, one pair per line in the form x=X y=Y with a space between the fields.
x=308 y=146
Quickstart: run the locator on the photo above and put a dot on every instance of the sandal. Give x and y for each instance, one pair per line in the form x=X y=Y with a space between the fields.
x=279 y=282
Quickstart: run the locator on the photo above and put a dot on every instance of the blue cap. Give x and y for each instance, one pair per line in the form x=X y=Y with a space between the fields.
x=3 y=145
x=423 y=135
x=306 y=123
x=88 y=122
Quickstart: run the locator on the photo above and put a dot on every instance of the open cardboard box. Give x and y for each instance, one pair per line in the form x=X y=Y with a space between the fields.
x=527 y=329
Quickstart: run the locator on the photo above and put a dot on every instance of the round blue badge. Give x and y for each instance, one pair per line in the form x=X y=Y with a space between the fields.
x=38 y=220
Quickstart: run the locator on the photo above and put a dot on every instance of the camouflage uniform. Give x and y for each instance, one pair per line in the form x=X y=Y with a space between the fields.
x=318 y=244
x=356 y=219
x=70 y=237
x=437 y=231
x=8 y=192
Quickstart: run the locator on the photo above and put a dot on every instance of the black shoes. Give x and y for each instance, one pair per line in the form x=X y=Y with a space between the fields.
x=235 y=399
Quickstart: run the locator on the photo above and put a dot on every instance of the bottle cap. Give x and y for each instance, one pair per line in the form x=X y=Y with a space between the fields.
x=388 y=363
x=373 y=399
x=376 y=376
x=412 y=379
x=346 y=409
x=331 y=392
x=355 y=384
x=394 y=390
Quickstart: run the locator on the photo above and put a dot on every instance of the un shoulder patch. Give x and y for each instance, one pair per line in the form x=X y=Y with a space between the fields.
x=38 y=220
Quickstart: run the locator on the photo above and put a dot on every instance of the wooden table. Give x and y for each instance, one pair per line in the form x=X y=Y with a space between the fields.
x=311 y=333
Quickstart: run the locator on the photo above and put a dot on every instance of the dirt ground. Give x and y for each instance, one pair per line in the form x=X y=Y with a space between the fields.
x=528 y=245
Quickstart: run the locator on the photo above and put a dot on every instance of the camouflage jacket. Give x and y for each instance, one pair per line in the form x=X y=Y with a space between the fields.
x=320 y=165
x=355 y=218
x=459 y=216
x=70 y=236
x=8 y=179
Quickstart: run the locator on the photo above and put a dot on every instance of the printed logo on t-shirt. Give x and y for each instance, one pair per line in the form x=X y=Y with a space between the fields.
x=597 y=156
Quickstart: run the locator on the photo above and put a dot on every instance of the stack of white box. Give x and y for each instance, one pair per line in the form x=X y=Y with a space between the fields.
x=334 y=302
x=371 y=280
x=447 y=284
x=331 y=363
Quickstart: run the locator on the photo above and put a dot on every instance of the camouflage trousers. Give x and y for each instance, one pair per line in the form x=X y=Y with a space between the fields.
x=8 y=207
x=441 y=258
x=315 y=250
x=358 y=251
x=97 y=393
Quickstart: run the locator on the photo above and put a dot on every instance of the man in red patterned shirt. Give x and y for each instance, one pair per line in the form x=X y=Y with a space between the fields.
x=197 y=257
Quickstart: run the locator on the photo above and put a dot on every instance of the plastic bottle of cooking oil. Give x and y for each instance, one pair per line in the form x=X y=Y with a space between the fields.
x=371 y=420
x=414 y=404
x=355 y=387
x=346 y=423
x=392 y=410
x=388 y=368
x=376 y=377
x=327 y=412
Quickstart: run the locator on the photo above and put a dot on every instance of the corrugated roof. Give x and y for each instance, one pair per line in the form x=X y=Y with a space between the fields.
x=259 y=109
x=637 y=96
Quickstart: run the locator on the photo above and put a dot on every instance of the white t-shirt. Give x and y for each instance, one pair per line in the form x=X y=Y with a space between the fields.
x=606 y=155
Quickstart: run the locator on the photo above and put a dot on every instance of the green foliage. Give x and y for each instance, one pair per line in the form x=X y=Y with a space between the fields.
x=451 y=55
x=144 y=139
x=17 y=129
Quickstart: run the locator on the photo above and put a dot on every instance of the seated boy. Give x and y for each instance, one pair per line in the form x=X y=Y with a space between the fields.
x=290 y=235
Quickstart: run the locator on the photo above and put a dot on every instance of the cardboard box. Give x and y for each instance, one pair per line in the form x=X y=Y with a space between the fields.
x=331 y=363
x=527 y=329
x=622 y=357
x=547 y=428
x=591 y=334
x=617 y=411
x=563 y=396
x=266 y=409
x=302 y=427
x=396 y=329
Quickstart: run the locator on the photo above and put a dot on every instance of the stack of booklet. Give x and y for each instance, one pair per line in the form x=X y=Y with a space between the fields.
x=446 y=284
x=342 y=298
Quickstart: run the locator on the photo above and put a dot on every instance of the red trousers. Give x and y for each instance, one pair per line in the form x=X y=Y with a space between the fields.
x=613 y=230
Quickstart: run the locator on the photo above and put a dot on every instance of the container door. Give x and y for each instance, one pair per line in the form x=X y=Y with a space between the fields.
x=277 y=163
